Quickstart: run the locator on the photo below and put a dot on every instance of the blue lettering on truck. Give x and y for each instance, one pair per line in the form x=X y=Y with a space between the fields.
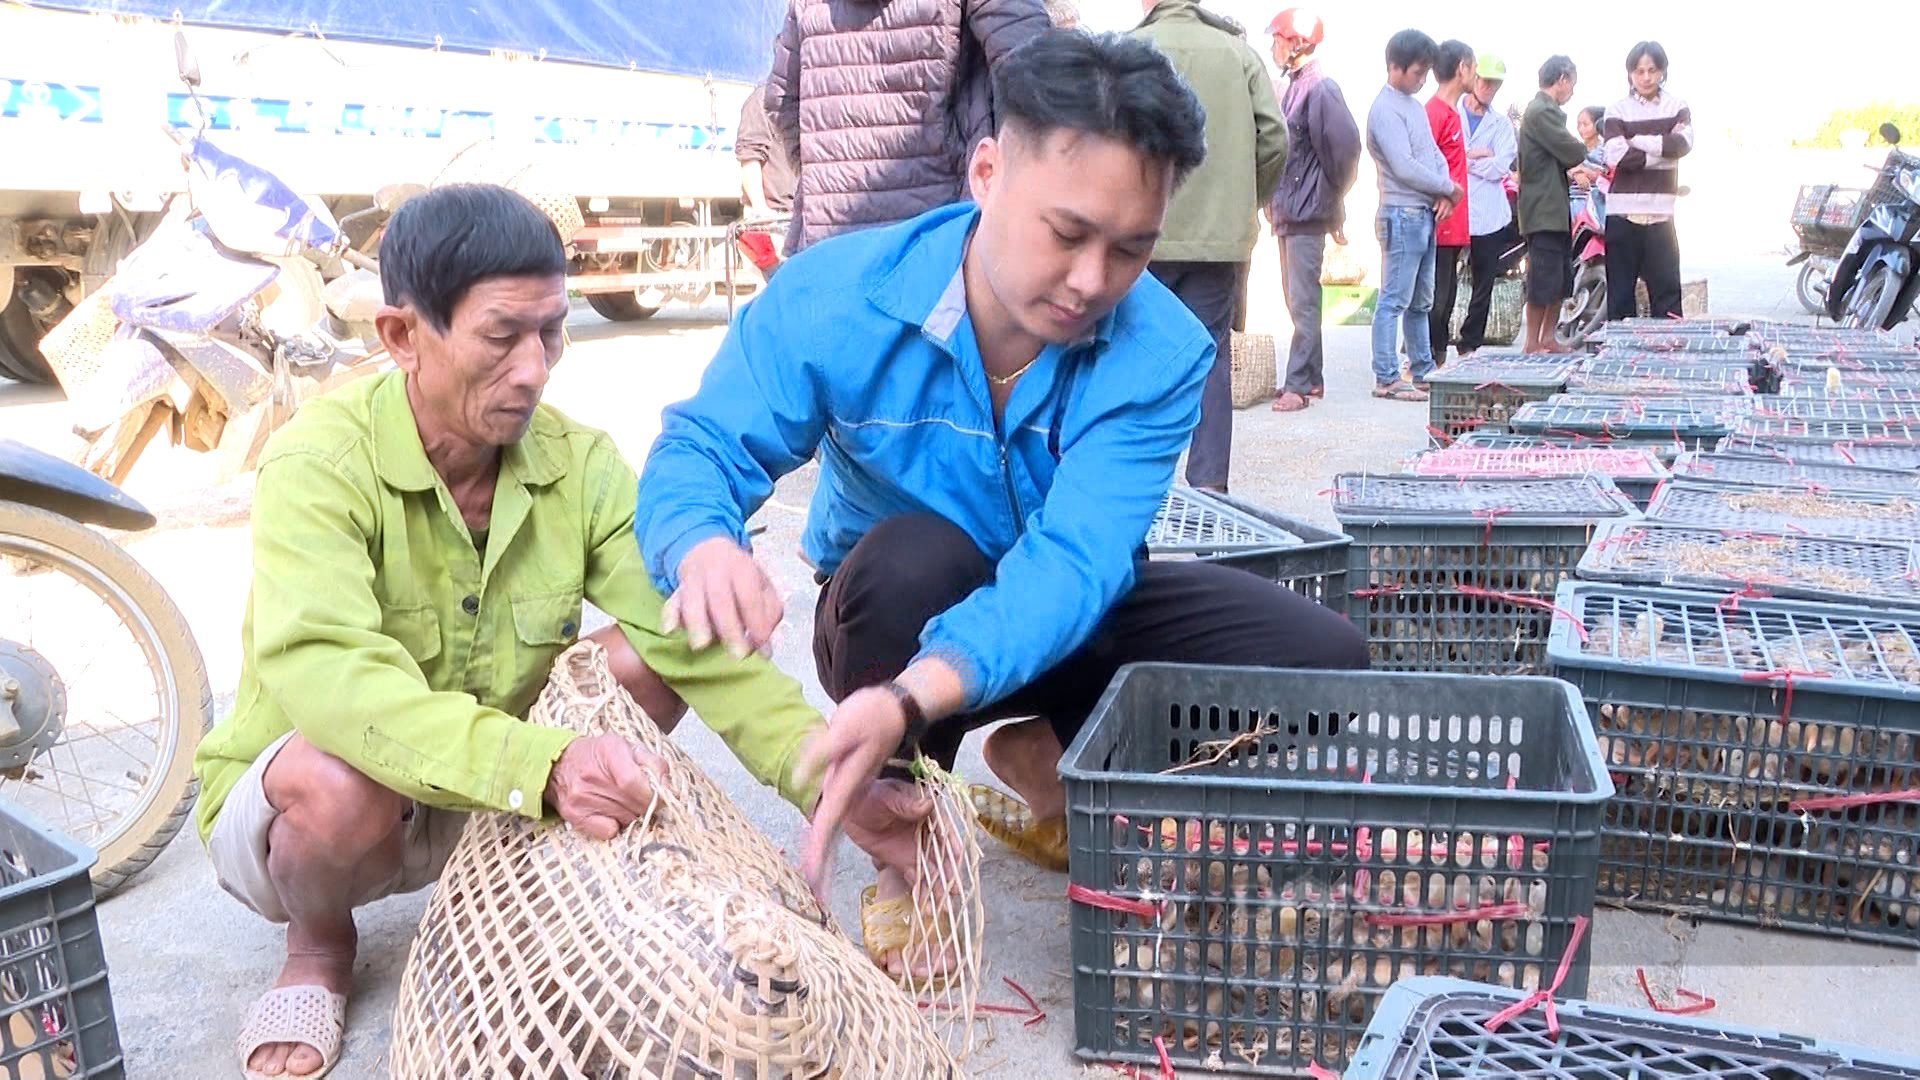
x=45 y=101
x=49 y=101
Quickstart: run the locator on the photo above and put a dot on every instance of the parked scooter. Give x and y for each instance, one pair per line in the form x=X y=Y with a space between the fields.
x=103 y=693
x=1582 y=314
x=246 y=301
x=1875 y=283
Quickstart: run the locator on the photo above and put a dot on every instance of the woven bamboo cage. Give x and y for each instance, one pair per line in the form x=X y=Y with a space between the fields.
x=686 y=947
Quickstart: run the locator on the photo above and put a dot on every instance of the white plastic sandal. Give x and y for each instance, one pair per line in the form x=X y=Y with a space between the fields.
x=310 y=1015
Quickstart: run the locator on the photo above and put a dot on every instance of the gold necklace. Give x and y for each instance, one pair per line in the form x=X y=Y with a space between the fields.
x=1002 y=380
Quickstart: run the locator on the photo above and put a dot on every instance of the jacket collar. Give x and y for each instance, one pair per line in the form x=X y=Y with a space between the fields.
x=400 y=460
x=927 y=287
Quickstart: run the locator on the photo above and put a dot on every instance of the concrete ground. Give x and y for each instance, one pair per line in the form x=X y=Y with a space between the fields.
x=186 y=959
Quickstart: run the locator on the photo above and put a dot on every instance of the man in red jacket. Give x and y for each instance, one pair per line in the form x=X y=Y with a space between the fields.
x=1450 y=236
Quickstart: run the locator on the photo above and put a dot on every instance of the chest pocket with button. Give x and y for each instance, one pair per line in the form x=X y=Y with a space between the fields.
x=547 y=619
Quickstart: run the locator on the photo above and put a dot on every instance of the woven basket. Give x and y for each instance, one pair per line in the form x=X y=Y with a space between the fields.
x=488 y=162
x=685 y=947
x=1504 y=312
x=1254 y=368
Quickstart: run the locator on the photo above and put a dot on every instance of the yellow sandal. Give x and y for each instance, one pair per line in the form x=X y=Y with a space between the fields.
x=886 y=927
x=1007 y=819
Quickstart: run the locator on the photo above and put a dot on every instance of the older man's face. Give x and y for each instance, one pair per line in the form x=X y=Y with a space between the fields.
x=483 y=377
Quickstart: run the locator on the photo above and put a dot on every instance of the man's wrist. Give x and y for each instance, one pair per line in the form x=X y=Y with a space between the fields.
x=913 y=715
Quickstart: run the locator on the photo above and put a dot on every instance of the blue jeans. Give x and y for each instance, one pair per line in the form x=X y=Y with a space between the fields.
x=1406 y=292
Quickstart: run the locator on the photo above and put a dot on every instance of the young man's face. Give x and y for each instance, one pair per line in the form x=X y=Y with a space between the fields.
x=1408 y=80
x=1647 y=77
x=1068 y=221
x=1463 y=74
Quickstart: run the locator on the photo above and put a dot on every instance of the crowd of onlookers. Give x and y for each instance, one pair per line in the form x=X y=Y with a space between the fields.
x=1464 y=187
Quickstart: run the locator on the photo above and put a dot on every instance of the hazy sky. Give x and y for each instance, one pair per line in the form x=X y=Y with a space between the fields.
x=1767 y=77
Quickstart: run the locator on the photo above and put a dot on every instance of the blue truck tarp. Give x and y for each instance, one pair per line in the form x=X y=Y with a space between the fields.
x=730 y=40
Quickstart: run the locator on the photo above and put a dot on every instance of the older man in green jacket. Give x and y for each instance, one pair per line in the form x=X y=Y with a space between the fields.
x=1549 y=154
x=1211 y=226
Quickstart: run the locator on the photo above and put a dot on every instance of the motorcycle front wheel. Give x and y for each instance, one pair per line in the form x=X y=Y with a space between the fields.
x=103 y=692
x=1871 y=301
x=1583 y=312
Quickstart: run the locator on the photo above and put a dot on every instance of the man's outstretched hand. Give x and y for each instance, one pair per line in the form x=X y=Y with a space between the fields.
x=864 y=731
x=724 y=593
x=603 y=783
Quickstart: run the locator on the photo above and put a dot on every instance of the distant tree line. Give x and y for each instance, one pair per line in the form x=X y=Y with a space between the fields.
x=1867 y=118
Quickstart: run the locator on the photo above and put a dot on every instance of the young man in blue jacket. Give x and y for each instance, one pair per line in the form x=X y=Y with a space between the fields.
x=998 y=398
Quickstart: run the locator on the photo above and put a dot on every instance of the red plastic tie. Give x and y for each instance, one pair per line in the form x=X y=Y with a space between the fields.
x=1371 y=592
x=1701 y=1002
x=1731 y=602
x=1107 y=901
x=1842 y=447
x=1166 y=1066
x=1841 y=802
x=1495 y=383
x=1786 y=677
x=1039 y=1013
x=1320 y=1072
x=1490 y=513
x=1544 y=998
x=1512 y=909
x=1526 y=601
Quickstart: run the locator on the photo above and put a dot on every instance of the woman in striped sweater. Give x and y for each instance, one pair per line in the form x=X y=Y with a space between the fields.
x=1647 y=134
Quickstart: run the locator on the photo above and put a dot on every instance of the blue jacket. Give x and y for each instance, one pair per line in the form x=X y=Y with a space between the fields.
x=861 y=348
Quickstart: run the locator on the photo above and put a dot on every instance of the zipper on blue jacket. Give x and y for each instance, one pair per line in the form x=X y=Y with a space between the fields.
x=1013 y=501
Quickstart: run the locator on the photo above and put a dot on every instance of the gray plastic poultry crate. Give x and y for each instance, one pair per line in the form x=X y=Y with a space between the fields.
x=1256 y=855
x=1457 y=575
x=1718 y=720
x=1602 y=375
x=1437 y=1029
x=1482 y=393
x=1788 y=511
x=1310 y=560
x=1792 y=429
x=1838 y=452
x=1865 y=572
x=1872 y=410
x=56 y=1011
x=1637 y=471
x=1740 y=469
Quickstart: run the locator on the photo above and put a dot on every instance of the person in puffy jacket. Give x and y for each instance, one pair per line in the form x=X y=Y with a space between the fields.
x=881 y=103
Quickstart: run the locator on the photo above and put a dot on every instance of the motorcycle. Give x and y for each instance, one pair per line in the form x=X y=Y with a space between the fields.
x=1585 y=310
x=85 y=744
x=1878 y=276
x=244 y=302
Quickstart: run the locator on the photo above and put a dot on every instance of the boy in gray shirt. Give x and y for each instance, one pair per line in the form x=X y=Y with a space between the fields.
x=1415 y=192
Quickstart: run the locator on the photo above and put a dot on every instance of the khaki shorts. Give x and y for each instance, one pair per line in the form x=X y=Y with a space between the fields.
x=238 y=844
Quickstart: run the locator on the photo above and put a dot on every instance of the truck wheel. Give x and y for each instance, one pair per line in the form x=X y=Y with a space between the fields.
x=620 y=307
x=20 y=357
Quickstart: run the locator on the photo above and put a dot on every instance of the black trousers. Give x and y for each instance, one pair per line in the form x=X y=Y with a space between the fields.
x=1211 y=290
x=1446 y=291
x=1636 y=252
x=908 y=569
x=1486 y=259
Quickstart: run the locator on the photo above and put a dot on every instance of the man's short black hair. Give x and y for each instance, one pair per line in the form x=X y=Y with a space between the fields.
x=1103 y=84
x=440 y=243
x=1410 y=47
x=1644 y=50
x=1555 y=69
x=1453 y=53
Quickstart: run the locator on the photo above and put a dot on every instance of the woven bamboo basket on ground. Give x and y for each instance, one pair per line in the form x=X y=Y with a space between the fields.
x=686 y=947
x=1255 y=368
